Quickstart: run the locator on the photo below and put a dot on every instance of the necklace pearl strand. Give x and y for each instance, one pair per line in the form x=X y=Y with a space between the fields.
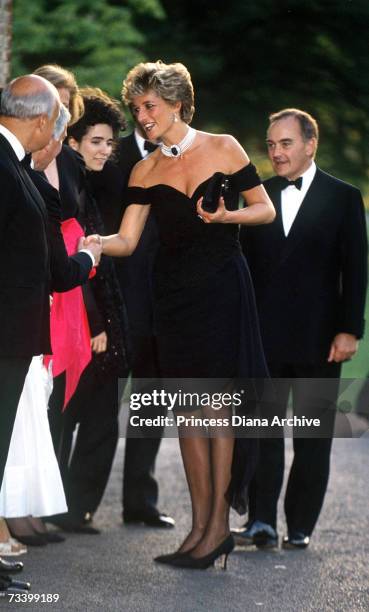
x=177 y=150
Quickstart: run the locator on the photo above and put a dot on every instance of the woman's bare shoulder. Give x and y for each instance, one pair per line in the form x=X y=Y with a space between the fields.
x=227 y=145
x=142 y=170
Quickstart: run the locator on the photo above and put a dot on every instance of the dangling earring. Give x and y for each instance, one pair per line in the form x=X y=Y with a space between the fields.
x=175 y=118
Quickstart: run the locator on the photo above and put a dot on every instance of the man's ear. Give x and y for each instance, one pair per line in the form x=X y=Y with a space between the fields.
x=41 y=122
x=73 y=143
x=311 y=147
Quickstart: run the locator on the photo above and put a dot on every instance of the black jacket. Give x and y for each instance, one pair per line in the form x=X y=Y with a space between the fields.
x=66 y=272
x=25 y=265
x=311 y=284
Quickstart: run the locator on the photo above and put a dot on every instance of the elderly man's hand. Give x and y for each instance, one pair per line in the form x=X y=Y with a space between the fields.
x=92 y=238
x=343 y=347
x=94 y=246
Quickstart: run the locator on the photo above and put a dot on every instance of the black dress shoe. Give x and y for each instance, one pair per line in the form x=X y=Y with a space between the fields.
x=151 y=519
x=10 y=567
x=82 y=527
x=12 y=590
x=7 y=581
x=71 y=525
x=243 y=536
x=295 y=541
x=259 y=534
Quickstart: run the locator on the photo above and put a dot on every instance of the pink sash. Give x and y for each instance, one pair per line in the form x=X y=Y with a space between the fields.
x=70 y=332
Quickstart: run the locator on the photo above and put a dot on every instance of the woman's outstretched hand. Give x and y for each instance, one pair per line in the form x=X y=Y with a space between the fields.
x=92 y=238
x=218 y=216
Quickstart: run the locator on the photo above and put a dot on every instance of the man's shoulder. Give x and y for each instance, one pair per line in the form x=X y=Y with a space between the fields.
x=127 y=138
x=329 y=180
x=8 y=170
x=322 y=179
x=270 y=182
x=128 y=153
x=127 y=143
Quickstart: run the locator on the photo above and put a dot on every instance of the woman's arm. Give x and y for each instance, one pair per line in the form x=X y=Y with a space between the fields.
x=259 y=208
x=125 y=241
x=133 y=222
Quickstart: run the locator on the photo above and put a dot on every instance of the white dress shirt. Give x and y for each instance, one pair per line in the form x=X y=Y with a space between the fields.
x=292 y=198
x=13 y=141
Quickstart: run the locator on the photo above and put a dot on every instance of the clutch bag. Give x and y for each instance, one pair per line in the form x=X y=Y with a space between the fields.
x=217 y=187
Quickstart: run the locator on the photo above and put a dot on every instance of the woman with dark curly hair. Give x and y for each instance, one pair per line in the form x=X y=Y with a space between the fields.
x=94 y=403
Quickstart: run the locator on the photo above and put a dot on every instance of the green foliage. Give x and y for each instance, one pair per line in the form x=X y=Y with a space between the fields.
x=96 y=39
x=247 y=59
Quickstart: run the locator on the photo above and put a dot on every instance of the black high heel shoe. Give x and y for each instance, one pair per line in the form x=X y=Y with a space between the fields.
x=30 y=540
x=221 y=552
x=167 y=559
x=50 y=537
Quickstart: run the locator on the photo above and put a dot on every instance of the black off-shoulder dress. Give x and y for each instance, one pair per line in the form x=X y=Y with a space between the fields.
x=205 y=314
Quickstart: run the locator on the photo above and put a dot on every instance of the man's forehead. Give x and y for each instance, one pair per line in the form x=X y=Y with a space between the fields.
x=284 y=129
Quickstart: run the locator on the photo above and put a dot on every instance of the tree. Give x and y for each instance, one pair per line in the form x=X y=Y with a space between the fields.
x=249 y=59
x=96 y=39
x=5 y=39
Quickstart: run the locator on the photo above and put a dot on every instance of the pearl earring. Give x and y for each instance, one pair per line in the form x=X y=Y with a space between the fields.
x=175 y=118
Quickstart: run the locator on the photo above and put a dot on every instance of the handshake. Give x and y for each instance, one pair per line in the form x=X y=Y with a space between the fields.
x=93 y=244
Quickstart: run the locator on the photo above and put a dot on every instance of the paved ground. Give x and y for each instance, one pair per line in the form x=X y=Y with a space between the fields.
x=115 y=572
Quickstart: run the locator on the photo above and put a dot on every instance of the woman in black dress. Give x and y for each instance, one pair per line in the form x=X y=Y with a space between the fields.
x=205 y=316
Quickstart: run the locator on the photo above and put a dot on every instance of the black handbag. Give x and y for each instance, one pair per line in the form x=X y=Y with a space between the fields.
x=217 y=187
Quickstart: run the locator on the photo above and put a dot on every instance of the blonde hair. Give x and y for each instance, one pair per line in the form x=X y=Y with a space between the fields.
x=172 y=82
x=61 y=77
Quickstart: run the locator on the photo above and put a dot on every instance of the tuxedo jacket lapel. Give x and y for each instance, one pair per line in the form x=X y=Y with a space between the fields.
x=22 y=173
x=276 y=228
x=306 y=218
x=36 y=197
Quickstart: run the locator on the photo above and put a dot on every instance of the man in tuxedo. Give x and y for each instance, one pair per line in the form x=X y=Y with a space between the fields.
x=140 y=489
x=30 y=106
x=309 y=273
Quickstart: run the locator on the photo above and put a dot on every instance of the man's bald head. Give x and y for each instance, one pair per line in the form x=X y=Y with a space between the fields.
x=29 y=96
x=30 y=106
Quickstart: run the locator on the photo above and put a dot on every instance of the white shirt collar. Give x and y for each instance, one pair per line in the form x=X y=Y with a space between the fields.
x=308 y=175
x=13 y=141
x=292 y=198
x=140 y=143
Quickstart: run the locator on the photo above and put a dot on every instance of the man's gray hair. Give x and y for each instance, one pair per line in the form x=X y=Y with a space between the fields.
x=61 y=122
x=26 y=107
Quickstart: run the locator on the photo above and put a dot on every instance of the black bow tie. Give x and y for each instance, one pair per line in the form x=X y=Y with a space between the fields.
x=26 y=161
x=284 y=182
x=150 y=146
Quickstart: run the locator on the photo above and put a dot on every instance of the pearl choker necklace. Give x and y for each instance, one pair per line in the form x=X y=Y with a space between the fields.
x=177 y=150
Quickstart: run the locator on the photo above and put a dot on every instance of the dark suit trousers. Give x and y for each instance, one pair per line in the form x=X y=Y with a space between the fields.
x=13 y=371
x=308 y=478
x=140 y=489
x=85 y=469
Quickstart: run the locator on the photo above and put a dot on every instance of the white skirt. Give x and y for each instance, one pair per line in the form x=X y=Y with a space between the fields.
x=32 y=483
